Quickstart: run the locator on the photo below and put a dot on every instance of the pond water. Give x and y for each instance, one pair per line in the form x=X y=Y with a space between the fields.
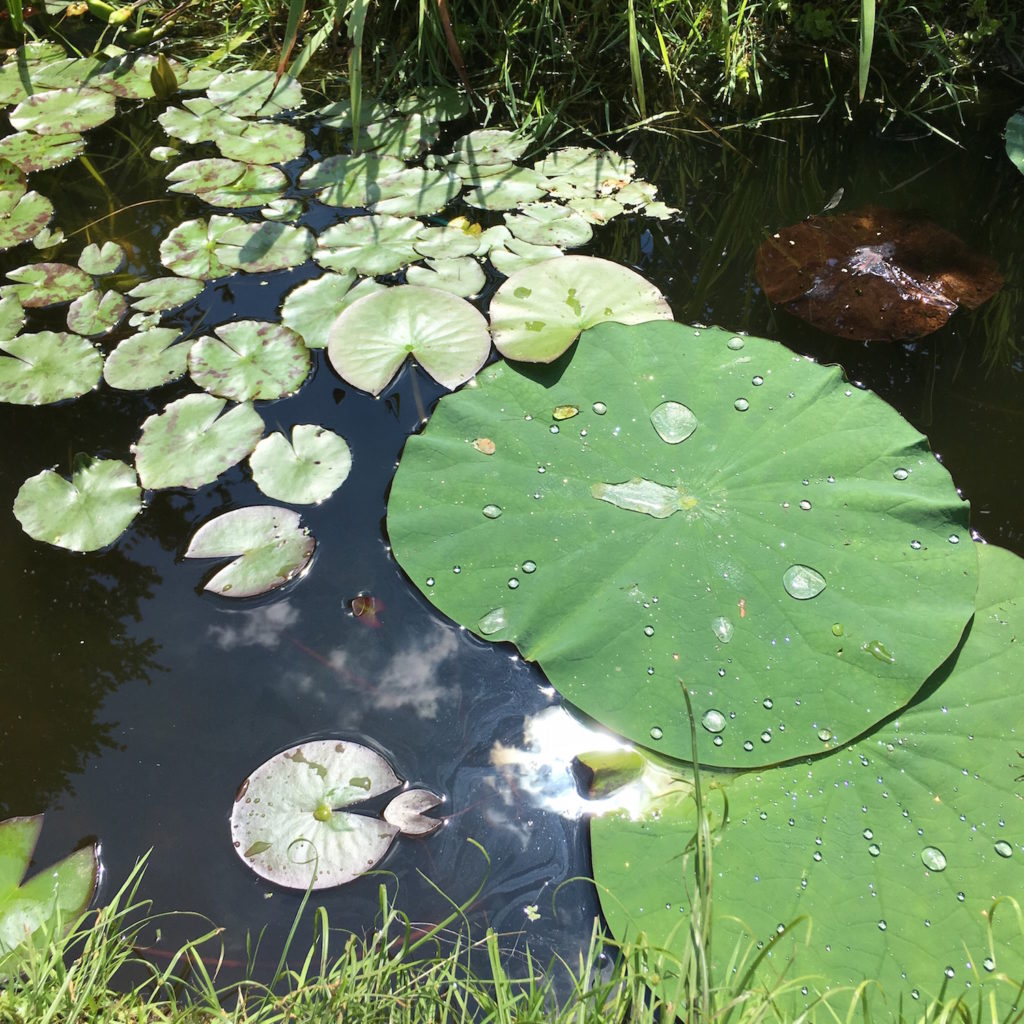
x=135 y=704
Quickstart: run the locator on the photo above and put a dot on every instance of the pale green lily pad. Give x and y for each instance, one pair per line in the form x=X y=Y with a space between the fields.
x=263 y=144
x=414 y=191
x=131 y=76
x=507 y=191
x=12 y=317
x=407 y=137
x=147 y=360
x=637 y=193
x=372 y=338
x=228 y=183
x=457 y=238
x=269 y=546
x=61 y=111
x=550 y=224
x=462 y=276
x=493 y=238
x=48 y=238
x=12 y=186
x=516 y=255
x=289 y=822
x=143 y=321
x=187 y=445
x=597 y=211
x=1015 y=140
x=436 y=103
x=490 y=146
x=473 y=174
x=250 y=359
x=108 y=259
x=305 y=471
x=661 y=211
x=32 y=152
x=46 y=284
x=592 y=171
x=406 y=812
x=28 y=216
x=283 y=210
x=96 y=312
x=339 y=113
x=540 y=311
x=311 y=308
x=190 y=249
x=86 y=513
x=200 y=121
x=254 y=93
x=48 y=367
x=373 y=245
x=262 y=246
x=164 y=293
x=34 y=912
x=886 y=855
x=349 y=180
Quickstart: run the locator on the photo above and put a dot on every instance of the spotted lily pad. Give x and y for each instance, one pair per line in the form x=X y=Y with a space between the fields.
x=47 y=367
x=311 y=308
x=254 y=93
x=1015 y=140
x=228 y=183
x=873 y=274
x=540 y=310
x=96 y=312
x=164 y=293
x=372 y=338
x=12 y=317
x=250 y=359
x=262 y=246
x=106 y=259
x=85 y=514
x=201 y=120
x=190 y=444
x=26 y=218
x=269 y=545
x=369 y=245
x=304 y=471
x=46 y=284
x=147 y=360
x=190 y=249
x=31 y=152
x=263 y=144
x=633 y=549
x=60 y=111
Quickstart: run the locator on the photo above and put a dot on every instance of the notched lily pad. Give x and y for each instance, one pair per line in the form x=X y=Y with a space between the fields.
x=61 y=111
x=46 y=284
x=311 y=308
x=48 y=367
x=106 y=259
x=305 y=471
x=373 y=245
x=25 y=219
x=164 y=293
x=873 y=274
x=96 y=312
x=228 y=183
x=463 y=276
x=147 y=360
x=254 y=93
x=31 y=152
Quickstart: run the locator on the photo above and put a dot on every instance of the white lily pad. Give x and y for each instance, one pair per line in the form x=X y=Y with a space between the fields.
x=592 y=171
x=414 y=191
x=108 y=259
x=12 y=317
x=304 y=471
x=261 y=246
x=60 y=111
x=540 y=311
x=507 y=191
x=26 y=218
x=31 y=152
x=406 y=812
x=349 y=180
x=228 y=183
x=462 y=276
x=187 y=445
x=200 y=121
x=289 y=822
x=96 y=312
x=550 y=224
x=598 y=210
x=46 y=284
x=311 y=308
x=86 y=513
x=250 y=359
x=445 y=334
x=490 y=146
x=147 y=360
x=263 y=144
x=369 y=245
x=518 y=254
x=164 y=293
x=190 y=249
x=254 y=93
x=48 y=367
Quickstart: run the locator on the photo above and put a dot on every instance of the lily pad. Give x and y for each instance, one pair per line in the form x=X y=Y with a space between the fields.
x=1015 y=140
x=61 y=111
x=372 y=338
x=550 y=224
x=25 y=219
x=516 y=255
x=626 y=558
x=164 y=293
x=414 y=191
x=463 y=276
x=311 y=308
x=12 y=317
x=190 y=444
x=349 y=180
x=262 y=246
x=490 y=146
x=263 y=144
x=250 y=359
x=190 y=249
x=147 y=360
x=588 y=171
x=96 y=260
x=201 y=121
x=873 y=274
x=507 y=191
x=48 y=367
x=305 y=471
x=457 y=238
x=369 y=245
x=254 y=93
x=33 y=912
x=228 y=183
x=408 y=136
x=888 y=854
x=85 y=514
x=46 y=284
x=31 y=152
x=96 y=312
x=541 y=310
x=269 y=545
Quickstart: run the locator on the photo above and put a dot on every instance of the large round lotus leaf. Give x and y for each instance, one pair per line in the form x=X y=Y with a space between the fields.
x=1015 y=140
x=349 y=180
x=201 y=121
x=445 y=334
x=47 y=367
x=96 y=312
x=550 y=224
x=60 y=111
x=463 y=276
x=147 y=360
x=87 y=513
x=304 y=471
x=31 y=152
x=269 y=545
x=190 y=249
x=892 y=850
x=717 y=511
x=262 y=246
x=540 y=310
x=107 y=259
x=289 y=822
x=46 y=284
x=228 y=183
x=369 y=245
x=187 y=445
x=311 y=308
x=28 y=216
x=163 y=293
x=507 y=191
x=250 y=359
x=414 y=191
x=263 y=144
x=248 y=93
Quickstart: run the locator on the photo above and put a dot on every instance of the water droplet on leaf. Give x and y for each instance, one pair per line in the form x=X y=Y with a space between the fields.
x=492 y=511
x=1003 y=848
x=656 y=733
x=722 y=628
x=529 y=566
x=713 y=720
x=803 y=582
x=600 y=408
x=735 y=344
x=741 y=405
x=513 y=583
x=493 y=621
x=824 y=735
x=674 y=422
x=878 y=650
x=933 y=859
x=900 y=474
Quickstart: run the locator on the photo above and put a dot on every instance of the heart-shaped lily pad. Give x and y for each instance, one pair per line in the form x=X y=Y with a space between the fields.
x=459 y=237
x=262 y=246
x=190 y=249
x=201 y=121
x=490 y=146
x=147 y=360
x=164 y=293
x=60 y=111
x=28 y=215
x=550 y=224
x=97 y=260
x=31 y=152
x=888 y=854
x=507 y=191
x=87 y=513
x=228 y=183
x=464 y=276
x=12 y=317
x=801 y=531
x=541 y=310
x=414 y=191
x=374 y=245
x=372 y=338
x=263 y=144
x=96 y=312
x=48 y=367
x=304 y=471
x=269 y=546
x=46 y=284
x=311 y=308
x=254 y=93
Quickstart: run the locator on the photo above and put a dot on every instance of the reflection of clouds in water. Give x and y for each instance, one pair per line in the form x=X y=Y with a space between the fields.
x=260 y=627
x=411 y=677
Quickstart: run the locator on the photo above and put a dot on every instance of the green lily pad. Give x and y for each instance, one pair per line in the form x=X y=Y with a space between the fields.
x=190 y=444
x=463 y=276
x=31 y=152
x=338 y=114
x=507 y=191
x=29 y=214
x=228 y=183
x=311 y=308
x=96 y=312
x=490 y=146
x=33 y=912
x=164 y=293
x=436 y=103
x=517 y=255
x=637 y=193
x=372 y=338
x=250 y=359
x=457 y=238
x=261 y=246
x=369 y=245
x=47 y=367
x=597 y=211
x=888 y=853
x=408 y=136
x=414 y=191
x=131 y=77
x=634 y=549
x=289 y=823
x=263 y=144
x=1015 y=140
x=541 y=310
x=12 y=317
x=269 y=546
x=550 y=224
x=592 y=171
x=254 y=93
x=106 y=260
x=349 y=180
x=147 y=360
x=46 y=284
x=48 y=238
x=304 y=471
x=190 y=249
x=283 y=210
x=200 y=121
x=85 y=514
x=61 y=111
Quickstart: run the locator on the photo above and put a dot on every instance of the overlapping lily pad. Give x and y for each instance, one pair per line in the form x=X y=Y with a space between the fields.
x=60 y=111
x=311 y=308
x=26 y=216
x=374 y=245
x=46 y=284
x=228 y=183
x=254 y=93
x=462 y=276
x=164 y=293
x=304 y=471
x=349 y=180
x=47 y=367
x=750 y=555
x=31 y=152
x=96 y=312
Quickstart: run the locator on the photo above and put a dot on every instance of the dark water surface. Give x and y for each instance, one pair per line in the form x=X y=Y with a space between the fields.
x=134 y=704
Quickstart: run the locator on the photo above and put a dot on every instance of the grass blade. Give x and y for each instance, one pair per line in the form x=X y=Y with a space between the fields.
x=867 y=41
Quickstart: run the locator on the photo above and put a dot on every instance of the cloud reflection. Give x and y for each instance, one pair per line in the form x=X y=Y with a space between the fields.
x=259 y=627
